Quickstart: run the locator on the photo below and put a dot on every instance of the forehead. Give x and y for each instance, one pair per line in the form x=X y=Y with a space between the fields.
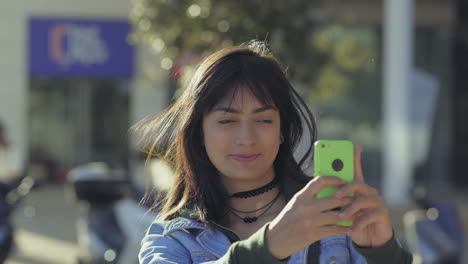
x=243 y=98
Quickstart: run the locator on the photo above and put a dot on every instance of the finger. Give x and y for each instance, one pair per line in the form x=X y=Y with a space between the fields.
x=358 y=175
x=355 y=187
x=331 y=230
x=367 y=219
x=328 y=218
x=318 y=182
x=363 y=203
x=326 y=204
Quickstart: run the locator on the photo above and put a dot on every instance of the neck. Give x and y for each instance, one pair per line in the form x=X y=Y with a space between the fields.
x=254 y=203
x=238 y=185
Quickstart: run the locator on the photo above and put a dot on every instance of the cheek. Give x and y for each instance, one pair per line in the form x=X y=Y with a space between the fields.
x=215 y=142
x=216 y=149
x=270 y=137
x=271 y=143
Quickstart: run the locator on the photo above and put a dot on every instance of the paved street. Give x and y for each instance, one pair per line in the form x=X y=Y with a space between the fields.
x=45 y=231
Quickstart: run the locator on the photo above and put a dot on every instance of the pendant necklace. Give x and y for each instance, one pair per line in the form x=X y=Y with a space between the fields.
x=253 y=219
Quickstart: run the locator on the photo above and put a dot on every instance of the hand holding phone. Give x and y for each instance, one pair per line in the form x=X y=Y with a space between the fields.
x=334 y=158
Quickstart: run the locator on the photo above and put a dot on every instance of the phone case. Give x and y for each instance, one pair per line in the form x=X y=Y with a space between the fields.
x=334 y=158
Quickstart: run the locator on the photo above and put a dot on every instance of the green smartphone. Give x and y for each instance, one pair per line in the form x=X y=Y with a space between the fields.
x=334 y=158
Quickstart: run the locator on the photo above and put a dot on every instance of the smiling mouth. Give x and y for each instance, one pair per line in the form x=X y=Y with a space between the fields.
x=245 y=158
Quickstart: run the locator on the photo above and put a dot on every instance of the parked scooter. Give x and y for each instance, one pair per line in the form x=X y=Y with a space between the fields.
x=434 y=232
x=11 y=195
x=112 y=222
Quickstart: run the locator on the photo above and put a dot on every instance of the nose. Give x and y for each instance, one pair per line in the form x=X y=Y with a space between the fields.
x=246 y=134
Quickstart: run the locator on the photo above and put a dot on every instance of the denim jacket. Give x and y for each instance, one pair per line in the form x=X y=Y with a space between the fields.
x=184 y=240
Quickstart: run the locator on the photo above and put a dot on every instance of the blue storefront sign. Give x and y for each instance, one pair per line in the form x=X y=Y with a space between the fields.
x=64 y=47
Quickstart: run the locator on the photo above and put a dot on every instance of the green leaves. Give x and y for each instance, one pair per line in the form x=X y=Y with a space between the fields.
x=328 y=60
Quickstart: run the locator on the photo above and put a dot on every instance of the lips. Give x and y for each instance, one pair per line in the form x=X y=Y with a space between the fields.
x=244 y=157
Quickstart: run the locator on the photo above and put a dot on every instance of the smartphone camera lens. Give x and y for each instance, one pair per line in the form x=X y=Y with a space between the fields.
x=337 y=165
x=323 y=145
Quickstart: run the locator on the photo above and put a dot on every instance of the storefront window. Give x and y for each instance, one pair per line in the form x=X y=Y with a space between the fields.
x=78 y=121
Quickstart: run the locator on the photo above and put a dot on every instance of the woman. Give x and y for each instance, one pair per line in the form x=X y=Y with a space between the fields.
x=239 y=195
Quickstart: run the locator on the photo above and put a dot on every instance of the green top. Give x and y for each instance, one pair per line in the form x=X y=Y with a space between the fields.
x=255 y=247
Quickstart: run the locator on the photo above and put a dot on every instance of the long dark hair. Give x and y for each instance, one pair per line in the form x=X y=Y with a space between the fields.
x=176 y=134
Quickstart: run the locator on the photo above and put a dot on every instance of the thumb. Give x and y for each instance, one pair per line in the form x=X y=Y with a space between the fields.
x=358 y=175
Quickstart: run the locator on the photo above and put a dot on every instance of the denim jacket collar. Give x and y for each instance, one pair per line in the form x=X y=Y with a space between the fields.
x=182 y=223
x=213 y=241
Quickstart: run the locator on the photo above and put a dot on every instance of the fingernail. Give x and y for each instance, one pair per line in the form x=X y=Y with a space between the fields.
x=342 y=214
x=338 y=193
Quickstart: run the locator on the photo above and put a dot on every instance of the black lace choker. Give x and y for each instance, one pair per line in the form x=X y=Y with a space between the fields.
x=258 y=191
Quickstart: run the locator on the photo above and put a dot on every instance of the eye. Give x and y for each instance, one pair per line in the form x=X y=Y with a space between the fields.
x=225 y=121
x=267 y=121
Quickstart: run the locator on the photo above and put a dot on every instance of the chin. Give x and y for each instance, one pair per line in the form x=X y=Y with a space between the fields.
x=244 y=175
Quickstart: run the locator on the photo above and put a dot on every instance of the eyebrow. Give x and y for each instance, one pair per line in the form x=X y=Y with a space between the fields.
x=235 y=111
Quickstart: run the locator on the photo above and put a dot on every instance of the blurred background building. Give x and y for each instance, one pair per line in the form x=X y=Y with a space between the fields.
x=71 y=83
x=389 y=75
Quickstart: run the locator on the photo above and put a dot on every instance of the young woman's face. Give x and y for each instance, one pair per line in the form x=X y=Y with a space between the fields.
x=242 y=139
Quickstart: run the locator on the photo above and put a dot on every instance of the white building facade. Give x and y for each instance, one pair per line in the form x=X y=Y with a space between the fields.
x=145 y=93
